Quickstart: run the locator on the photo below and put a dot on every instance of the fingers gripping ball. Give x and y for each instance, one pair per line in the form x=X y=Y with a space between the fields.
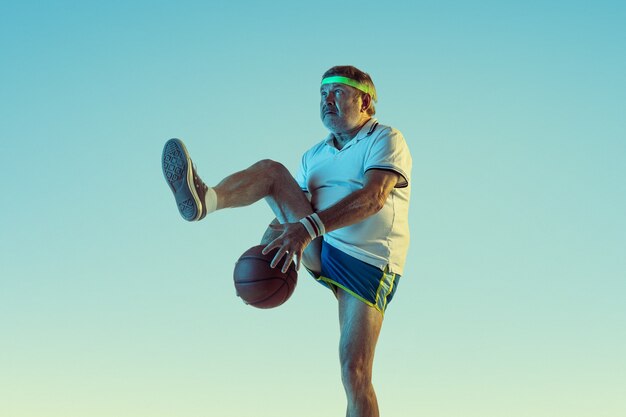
x=260 y=285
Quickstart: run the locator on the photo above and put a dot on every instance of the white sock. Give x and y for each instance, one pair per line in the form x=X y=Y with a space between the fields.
x=210 y=200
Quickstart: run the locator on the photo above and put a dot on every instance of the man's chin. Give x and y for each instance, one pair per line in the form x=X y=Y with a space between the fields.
x=331 y=125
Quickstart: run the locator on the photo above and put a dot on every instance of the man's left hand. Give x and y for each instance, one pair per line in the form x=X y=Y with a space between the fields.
x=292 y=241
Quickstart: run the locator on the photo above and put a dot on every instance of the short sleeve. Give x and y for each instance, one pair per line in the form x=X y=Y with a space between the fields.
x=301 y=175
x=389 y=151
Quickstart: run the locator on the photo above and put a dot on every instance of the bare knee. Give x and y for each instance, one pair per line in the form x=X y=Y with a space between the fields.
x=277 y=174
x=356 y=374
x=271 y=168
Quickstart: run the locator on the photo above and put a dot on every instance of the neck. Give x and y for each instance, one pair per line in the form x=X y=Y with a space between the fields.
x=344 y=137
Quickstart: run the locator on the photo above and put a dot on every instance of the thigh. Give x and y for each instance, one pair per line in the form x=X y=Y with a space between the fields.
x=360 y=326
x=312 y=256
x=290 y=204
x=286 y=199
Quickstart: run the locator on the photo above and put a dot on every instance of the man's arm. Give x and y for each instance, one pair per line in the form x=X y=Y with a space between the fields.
x=355 y=207
x=362 y=203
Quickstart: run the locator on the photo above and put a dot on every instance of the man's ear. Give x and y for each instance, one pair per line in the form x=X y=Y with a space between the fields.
x=367 y=102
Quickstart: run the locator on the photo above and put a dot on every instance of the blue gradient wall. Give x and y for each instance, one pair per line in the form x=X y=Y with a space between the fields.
x=512 y=302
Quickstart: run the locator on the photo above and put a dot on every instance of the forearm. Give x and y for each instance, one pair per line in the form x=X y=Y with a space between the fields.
x=352 y=209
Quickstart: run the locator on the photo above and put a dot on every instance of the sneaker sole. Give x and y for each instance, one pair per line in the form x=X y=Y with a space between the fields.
x=177 y=170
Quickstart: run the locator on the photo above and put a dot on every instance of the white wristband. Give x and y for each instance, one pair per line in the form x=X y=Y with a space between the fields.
x=313 y=224
x=319 y=223
x=308 y=226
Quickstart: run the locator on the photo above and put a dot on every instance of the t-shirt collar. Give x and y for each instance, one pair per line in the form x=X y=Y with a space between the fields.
x=367 y=129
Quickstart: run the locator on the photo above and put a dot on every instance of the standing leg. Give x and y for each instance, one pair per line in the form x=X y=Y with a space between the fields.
x=360 y=326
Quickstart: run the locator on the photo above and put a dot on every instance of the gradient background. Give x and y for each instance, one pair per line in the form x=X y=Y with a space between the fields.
x=513 y=301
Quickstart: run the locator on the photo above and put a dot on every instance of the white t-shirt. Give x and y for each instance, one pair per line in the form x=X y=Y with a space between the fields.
x=330 y=174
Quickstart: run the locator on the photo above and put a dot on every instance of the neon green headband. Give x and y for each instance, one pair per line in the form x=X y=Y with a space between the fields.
x=348 y=81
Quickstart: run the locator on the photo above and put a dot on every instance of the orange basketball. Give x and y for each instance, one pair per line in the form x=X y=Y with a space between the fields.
x=260 y=285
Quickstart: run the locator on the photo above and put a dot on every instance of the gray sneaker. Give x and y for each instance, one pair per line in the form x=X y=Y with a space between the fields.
x=181 y=176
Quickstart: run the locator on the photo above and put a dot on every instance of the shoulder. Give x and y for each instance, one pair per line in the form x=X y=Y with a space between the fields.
x=387 y=131
x=387 y=136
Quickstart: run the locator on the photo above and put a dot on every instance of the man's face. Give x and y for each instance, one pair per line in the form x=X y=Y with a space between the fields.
x=341 y=107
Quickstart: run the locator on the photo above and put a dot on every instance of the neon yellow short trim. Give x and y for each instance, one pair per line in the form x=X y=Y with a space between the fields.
x=387 y=282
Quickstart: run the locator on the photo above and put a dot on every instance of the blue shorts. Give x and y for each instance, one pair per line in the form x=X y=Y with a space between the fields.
x=366 y=282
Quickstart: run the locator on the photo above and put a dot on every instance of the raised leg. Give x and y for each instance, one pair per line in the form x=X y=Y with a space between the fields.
x=271 y=181
x=360 y=326
x=265 y=179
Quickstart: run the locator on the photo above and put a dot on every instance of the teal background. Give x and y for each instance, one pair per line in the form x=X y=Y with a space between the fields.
x=512 y=301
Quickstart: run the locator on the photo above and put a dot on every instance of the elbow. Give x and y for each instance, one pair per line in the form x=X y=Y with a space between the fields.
x=372 y=200
x=378 y=202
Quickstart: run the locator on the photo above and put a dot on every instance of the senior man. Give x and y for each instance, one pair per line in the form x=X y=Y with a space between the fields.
x=344 y=216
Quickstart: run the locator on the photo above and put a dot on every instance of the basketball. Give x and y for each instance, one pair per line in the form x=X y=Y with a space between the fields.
x=260 y=285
